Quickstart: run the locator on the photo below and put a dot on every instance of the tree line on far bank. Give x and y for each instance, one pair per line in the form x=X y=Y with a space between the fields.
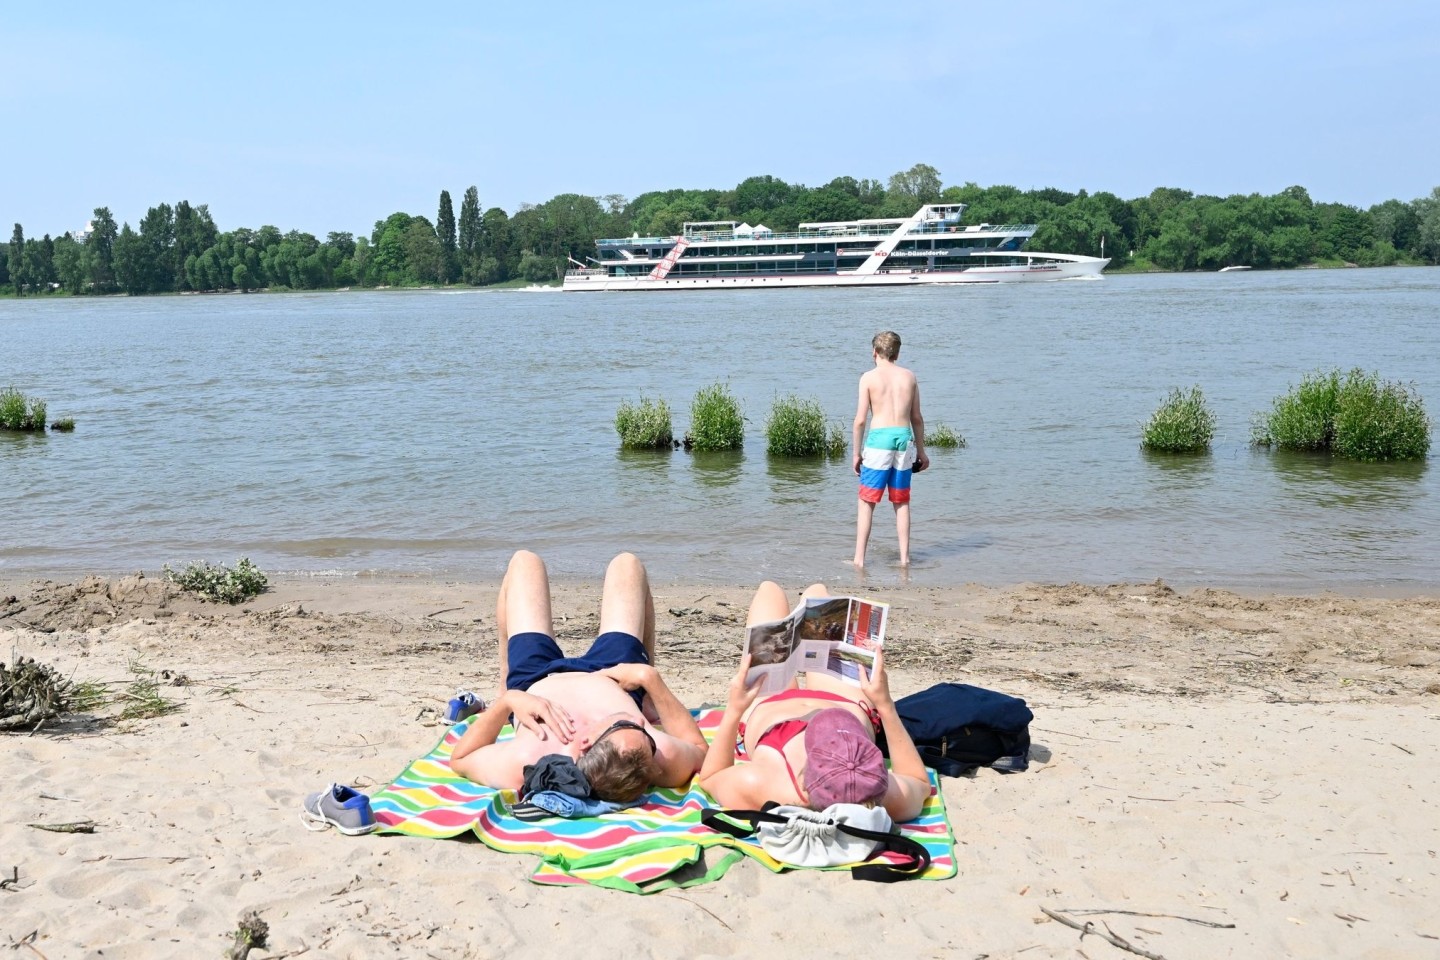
x=180 y=248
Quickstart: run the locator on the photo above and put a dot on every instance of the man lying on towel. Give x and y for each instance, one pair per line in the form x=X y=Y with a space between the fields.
x=594 y=708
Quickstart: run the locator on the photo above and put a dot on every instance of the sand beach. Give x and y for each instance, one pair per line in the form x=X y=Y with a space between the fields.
x=1213 y=775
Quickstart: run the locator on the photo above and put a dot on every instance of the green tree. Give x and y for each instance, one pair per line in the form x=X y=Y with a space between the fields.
x=69 y=262
x=18 y=275
x=387 y=266
x=39 y=263
x=131 y=262
x=424 y=256
x=100 y=247
x=757 y=196
x=497 y=244
x=468 y=243
x=908 y=189
x=157 y=266
x=445 y=231
x=1427 y=232
x=1396 y=224
x=195 y=232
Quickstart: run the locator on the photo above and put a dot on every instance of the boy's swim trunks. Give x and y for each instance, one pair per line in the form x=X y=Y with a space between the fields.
x=886 y=463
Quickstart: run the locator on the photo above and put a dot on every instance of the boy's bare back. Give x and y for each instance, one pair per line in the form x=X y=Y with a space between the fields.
x=889 y=393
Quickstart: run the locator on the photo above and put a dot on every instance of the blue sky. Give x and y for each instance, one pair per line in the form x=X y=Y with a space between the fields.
x=329 y=119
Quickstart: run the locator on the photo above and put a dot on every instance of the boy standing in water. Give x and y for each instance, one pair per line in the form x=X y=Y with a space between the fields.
x=895 y=445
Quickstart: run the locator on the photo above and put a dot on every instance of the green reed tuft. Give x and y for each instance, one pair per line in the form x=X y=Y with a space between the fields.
x=1182 y=424
x=944 y=436
x=644 y=426
x=715 y=420
x=796 y=428
x=1359 y=417
x=64 y=425
x=19 y=412
x=1377 y=420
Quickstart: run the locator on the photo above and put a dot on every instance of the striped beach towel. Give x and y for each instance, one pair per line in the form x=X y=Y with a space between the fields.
x=657 y=845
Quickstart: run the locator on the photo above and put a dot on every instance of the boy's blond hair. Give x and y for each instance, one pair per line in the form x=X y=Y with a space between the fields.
x=887 y=344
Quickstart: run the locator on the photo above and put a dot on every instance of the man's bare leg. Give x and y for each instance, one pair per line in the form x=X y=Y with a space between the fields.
x=626 y=605
x=523 y=605
x=863 y=519
x=902 y=527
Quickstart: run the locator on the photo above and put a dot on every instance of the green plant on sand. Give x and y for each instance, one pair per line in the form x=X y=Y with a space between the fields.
x=219 y=582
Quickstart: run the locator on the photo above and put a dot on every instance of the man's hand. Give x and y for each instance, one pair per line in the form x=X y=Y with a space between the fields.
x=540 y=716
x=856 y=464
x=875 y=684
x=922 y=463
x=631 y=676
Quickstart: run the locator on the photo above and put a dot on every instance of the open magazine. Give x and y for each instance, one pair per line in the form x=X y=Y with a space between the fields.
x=834 y=635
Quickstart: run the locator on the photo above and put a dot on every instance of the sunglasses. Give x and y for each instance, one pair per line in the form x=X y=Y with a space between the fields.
x=627 y=725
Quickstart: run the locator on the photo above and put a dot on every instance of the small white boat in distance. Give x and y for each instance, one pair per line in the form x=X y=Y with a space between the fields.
x=929 y=246
x=1233 y=269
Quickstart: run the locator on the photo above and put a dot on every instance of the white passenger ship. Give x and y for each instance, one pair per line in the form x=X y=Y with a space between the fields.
x=931 y=246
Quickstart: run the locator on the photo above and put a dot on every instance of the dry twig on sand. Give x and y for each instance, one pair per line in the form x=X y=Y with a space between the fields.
x=75 y=826
x=1109 y=936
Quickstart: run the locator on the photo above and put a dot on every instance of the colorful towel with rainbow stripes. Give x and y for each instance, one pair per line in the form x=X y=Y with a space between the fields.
x=657 y=845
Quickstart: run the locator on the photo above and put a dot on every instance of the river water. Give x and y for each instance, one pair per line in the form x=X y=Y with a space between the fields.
x=432 y=432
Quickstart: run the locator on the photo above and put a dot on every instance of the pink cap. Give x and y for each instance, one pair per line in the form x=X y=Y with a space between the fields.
x=842 y=763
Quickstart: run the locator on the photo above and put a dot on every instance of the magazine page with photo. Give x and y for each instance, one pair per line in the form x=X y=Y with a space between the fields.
x=833 y=635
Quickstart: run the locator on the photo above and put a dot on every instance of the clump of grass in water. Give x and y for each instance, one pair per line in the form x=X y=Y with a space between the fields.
x=1304 y=418
x=836 y=441
x=943 y=436
x=1380 y=421
x=715 y=420
x=796 y=428
x=645 y=426
x=1182 y=424
x=64 y=425
x=19 y=412
x=1359 y=417
x=219 y=582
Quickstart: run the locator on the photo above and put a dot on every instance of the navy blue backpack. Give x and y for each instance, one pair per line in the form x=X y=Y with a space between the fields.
x=957 y=727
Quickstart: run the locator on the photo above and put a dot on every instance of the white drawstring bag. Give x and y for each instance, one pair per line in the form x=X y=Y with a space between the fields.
x=813 y=838
x=843 y=834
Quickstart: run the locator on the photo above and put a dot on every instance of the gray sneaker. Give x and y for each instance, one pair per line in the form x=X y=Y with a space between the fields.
x=340 y=807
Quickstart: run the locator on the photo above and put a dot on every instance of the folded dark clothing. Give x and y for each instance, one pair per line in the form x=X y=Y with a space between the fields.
x=555 y=773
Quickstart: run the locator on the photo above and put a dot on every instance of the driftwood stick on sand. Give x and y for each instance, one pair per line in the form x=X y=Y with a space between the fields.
x=76 y=826
x=1141 y=913
x=1108 y=936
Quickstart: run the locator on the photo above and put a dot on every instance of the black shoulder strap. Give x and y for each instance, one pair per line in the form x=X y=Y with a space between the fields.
x=917 y=858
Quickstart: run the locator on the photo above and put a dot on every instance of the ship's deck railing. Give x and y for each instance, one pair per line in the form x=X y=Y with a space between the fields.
x=924 y=228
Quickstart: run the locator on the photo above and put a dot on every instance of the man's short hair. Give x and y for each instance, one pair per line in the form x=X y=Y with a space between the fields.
x=619 y=776
x=887 y=344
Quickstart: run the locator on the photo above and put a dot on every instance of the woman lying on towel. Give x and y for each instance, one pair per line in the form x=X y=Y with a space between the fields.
x=813 y=745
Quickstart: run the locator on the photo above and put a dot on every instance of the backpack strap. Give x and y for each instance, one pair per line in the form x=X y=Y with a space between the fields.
x=917 y=858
